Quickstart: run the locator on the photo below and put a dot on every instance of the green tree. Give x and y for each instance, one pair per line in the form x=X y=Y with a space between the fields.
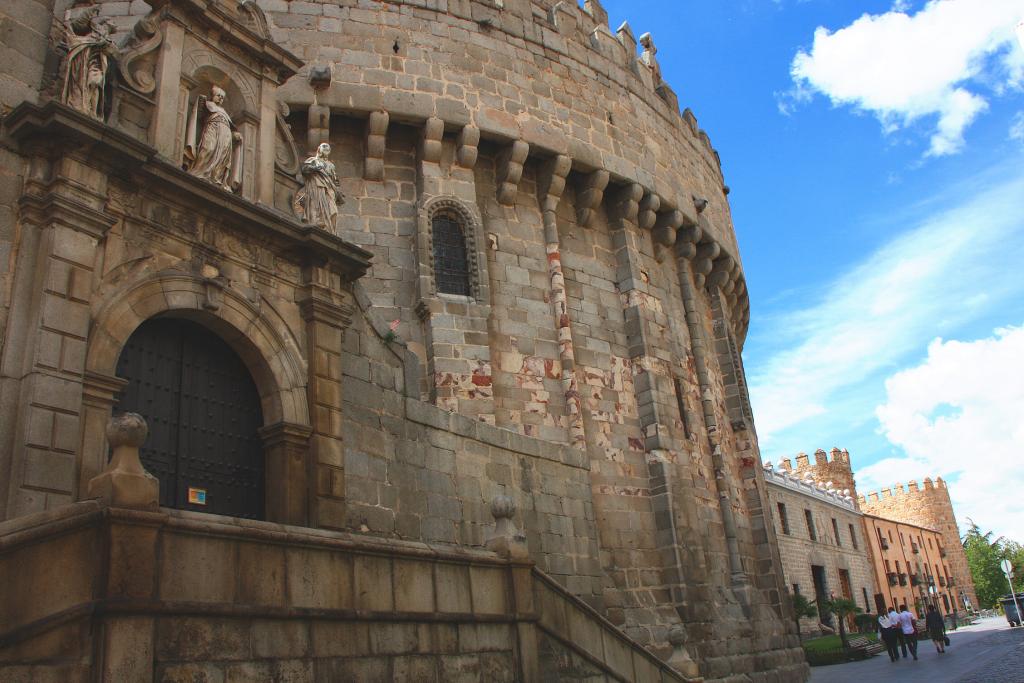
x=1014 y=552
x=842 y=608
x=983 y=557
x=802 y=607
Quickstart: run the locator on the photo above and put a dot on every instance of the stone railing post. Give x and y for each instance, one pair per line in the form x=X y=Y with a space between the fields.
x=125 y=482
x=508 y=542
x=680 y=659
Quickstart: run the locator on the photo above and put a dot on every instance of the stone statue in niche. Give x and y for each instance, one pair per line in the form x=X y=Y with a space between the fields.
x=318 y=199
x=89 y=55
x=213 y=148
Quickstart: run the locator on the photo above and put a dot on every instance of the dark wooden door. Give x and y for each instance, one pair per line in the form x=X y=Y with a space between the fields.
x=203 y=412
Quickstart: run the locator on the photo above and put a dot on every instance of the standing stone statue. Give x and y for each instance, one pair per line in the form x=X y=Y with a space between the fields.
x=213 y=150
x=89 y=56
x=649 y=59
x=317 y=202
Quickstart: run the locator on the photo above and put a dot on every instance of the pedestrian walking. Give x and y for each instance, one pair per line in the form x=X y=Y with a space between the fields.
x=909 y=631
x=936 y=626
x=894 y=618
x=887 y=631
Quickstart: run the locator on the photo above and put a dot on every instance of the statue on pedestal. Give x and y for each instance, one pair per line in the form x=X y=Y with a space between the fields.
x=88 y=57
x=213 y=149
x=318 y=199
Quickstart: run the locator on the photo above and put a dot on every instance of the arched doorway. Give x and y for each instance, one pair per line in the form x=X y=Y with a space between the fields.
x=203 y=411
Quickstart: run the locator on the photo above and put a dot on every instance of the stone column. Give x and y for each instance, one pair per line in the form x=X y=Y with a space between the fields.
x=326 y=314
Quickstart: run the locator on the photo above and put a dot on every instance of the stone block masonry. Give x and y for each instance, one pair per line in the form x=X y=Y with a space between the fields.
x=552 y=238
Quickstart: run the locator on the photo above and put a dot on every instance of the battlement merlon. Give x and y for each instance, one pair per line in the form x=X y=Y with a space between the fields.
x=912 y=488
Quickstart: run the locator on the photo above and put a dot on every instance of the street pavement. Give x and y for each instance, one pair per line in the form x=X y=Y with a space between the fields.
x=987 y=652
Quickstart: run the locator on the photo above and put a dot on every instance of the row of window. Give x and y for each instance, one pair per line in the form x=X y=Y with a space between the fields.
x=812 y=532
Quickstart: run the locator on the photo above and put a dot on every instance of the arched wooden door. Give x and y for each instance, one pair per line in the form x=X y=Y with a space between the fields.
x=203 y=412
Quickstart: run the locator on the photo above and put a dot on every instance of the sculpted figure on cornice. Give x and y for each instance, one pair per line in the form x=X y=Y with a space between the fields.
x=213 y=149
x=89 y=55
x=318 y=199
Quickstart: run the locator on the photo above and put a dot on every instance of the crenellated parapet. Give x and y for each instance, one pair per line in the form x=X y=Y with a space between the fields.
x=832 y=470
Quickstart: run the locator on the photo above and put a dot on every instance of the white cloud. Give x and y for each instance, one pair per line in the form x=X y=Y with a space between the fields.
x=951 y=267
x=958 y=415
x=902 y=68
x=1017 y=127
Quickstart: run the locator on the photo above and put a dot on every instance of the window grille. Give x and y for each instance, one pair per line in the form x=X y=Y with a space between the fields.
x=451 y=263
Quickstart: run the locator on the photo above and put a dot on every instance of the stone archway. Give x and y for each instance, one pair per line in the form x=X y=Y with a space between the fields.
x=262 y=340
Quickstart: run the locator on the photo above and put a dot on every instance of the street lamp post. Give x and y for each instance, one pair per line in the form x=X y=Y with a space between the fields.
x=1007 y=568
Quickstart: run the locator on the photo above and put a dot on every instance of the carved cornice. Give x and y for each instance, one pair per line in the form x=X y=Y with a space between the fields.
x=61 y=128
x=56 y=208
x=285 y=433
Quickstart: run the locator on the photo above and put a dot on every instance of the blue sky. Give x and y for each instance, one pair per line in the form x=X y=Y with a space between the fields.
x=875 y=153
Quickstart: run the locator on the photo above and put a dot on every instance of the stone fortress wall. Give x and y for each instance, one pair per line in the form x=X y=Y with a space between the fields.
x=927 y=505
x=593 y=373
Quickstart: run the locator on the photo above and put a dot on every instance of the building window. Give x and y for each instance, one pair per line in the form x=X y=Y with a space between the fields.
x=867 y=603
x=811 y=531
x=451 y=261
x=835 y=529
x=853 y=538
x=783 y=518
x=890 y=535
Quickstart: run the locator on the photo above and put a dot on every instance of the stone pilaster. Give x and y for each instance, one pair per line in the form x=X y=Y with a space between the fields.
x=551 y=184
x=286 y=451
x=326 y=314
x=63 y=220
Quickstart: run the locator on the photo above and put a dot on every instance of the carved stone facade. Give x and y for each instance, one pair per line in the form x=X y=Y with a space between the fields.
x=588 y=376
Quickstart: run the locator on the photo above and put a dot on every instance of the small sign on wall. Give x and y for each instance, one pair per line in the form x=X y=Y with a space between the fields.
x=196 y=496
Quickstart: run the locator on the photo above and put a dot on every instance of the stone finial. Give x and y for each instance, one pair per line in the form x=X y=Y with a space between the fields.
x=680 y=659
x=820 y=457
x=506 y=541
x=786 y=464
x=649 y=60
x=801 y=460
x=125 y=482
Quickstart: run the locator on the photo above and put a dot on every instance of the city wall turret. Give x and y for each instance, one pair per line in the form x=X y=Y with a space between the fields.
x=926 y=504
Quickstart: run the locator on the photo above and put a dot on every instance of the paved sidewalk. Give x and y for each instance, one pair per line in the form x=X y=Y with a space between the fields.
x=987 y=652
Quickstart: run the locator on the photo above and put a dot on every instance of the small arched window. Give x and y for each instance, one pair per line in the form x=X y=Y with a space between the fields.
x=451 y=261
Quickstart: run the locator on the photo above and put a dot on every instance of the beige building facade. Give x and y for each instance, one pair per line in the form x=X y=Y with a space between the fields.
x=370 y=341
x=821 y=542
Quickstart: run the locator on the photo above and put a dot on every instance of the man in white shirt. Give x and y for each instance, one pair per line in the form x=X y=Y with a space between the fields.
x=887 y=629
x=894 y=619
x=908 y=630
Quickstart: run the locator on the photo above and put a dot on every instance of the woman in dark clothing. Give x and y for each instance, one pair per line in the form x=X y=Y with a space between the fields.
x=936 y=628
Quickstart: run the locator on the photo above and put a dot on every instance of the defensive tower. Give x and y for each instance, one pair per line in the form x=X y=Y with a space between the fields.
x=926 y=505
